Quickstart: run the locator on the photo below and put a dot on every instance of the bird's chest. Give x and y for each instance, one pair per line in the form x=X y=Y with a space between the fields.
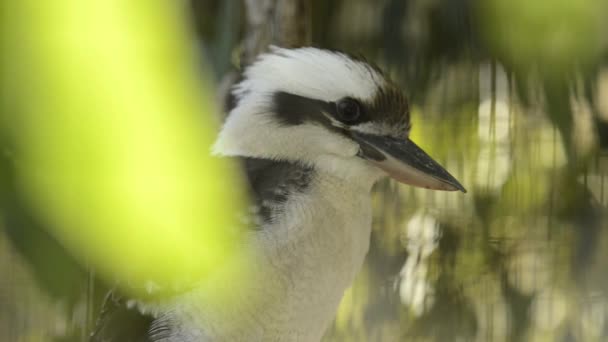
x=314 y=254
x=327 y=247
x=297 y=273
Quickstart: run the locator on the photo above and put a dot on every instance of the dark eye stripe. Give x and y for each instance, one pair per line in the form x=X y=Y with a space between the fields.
x=291 y=109
x=389 y=106
x=294 y=110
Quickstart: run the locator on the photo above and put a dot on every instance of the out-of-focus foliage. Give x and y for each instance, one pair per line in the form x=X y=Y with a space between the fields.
x=508 y=96
x=110 y=121
x=555 y=36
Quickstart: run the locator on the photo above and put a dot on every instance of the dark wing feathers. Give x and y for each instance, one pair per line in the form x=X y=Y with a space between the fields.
x=271 y=182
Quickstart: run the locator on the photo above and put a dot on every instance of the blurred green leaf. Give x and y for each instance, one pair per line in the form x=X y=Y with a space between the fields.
x=113 y=130
x=552 y=35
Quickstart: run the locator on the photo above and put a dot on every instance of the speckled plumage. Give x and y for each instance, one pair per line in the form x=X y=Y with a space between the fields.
x=271 y=182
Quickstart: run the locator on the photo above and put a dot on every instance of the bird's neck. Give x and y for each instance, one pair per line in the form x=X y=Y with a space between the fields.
x=332 y=216
x=298 y=266
x=314 y=250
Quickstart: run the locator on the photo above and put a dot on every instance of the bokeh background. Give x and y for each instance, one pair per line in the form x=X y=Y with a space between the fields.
x=510 y=96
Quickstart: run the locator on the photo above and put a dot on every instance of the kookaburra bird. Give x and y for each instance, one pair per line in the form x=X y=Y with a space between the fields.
x=315 y=130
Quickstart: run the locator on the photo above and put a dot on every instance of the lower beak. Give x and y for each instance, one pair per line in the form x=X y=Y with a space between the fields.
x=406 y=162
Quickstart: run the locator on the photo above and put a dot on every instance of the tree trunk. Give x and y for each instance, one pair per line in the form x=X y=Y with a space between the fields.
x=284 y=23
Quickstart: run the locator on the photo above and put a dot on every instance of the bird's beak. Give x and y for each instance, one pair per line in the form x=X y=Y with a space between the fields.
x=404 y=161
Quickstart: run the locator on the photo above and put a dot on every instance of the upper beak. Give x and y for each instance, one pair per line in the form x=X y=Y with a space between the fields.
x=404 y=161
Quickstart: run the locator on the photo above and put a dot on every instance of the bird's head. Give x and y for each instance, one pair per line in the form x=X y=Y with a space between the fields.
x=331 y=111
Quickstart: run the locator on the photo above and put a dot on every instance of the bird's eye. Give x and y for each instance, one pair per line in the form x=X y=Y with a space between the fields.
x=349 y=110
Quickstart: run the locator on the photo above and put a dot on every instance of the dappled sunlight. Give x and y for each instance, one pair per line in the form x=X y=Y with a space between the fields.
x=584 y=135
x=549 y=310
x=494 y=161
x=594 y=314
x=422 y=236
x=597 y=185
x=504 y=256
x=529 y=268
x=491 y=308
